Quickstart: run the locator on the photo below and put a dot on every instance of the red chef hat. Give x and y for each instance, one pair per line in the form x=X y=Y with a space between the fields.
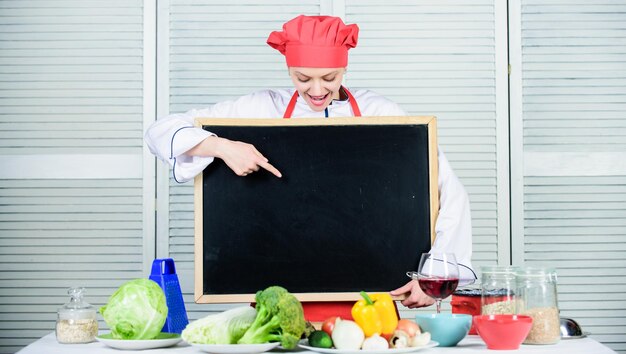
x=315 y=41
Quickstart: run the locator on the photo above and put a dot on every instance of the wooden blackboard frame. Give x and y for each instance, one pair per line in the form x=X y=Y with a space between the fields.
x=429 y=121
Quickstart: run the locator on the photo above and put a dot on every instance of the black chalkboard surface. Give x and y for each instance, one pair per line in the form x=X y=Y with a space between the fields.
x=353 y=210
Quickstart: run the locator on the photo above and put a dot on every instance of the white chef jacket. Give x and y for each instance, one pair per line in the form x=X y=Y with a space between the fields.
x=170 y=137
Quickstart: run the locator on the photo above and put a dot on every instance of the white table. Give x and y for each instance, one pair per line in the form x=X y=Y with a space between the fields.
x=471 y=344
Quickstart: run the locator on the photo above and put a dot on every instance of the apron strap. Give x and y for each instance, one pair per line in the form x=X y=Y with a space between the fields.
x=292 y=104
x=355 y=107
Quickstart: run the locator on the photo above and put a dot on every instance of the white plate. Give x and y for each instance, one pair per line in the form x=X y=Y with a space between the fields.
x=236 y=348
x=161 y=341
x=430 y=344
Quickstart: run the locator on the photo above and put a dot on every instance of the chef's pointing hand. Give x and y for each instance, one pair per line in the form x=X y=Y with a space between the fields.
x=242 y=158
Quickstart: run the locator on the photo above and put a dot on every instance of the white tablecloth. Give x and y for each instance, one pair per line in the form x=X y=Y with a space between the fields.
x=471 y=344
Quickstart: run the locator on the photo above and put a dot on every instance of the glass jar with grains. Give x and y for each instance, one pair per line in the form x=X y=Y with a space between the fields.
x=498 y=290
x=536 y=287
x=76 y=321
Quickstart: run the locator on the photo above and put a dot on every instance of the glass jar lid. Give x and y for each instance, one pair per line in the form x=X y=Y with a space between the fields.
x=76 y=308
x=537 y=274
x=501 y=273
x=499 y=269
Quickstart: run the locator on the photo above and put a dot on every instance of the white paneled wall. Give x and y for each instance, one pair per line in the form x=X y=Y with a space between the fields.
x=571 y=92
x=77 y=87
x=71 y=185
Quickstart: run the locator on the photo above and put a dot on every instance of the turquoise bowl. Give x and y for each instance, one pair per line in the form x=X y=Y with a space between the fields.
x=445 y=328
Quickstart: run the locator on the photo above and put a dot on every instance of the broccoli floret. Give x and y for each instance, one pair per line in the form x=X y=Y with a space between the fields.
x=279 y=318
x=271 y=296
x=308 y=329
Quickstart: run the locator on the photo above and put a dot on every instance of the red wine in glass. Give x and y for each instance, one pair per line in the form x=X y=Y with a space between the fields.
x=438 y=275
x=438 y=288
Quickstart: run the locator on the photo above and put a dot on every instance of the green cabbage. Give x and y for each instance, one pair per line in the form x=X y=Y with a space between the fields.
x=221 y=328
x=137 y=310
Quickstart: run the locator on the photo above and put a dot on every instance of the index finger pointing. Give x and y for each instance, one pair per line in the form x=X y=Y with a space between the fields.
x=272 y=169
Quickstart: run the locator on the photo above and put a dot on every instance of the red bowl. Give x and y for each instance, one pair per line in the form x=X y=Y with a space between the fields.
x=503 y=332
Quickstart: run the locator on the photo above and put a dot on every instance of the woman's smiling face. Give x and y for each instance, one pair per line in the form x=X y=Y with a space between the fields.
x=318 y=86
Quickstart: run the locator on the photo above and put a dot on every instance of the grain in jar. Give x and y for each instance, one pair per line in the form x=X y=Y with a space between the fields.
x=498 y=288
x=76 y=320
x=536 y=288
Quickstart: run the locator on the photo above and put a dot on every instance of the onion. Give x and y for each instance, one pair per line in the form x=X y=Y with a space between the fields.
x=347 y=335
x=411 y=328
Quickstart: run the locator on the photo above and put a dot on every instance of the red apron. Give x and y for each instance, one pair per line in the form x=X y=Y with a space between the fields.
x=292 y=104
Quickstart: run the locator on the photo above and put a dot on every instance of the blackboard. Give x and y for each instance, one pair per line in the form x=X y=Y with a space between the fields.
x=353 y=211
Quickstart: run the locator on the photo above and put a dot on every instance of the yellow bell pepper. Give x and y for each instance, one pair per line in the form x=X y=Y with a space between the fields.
x=375 y=313
x=386 y=308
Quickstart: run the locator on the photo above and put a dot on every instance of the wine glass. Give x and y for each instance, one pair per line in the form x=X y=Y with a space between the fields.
x=437 y=275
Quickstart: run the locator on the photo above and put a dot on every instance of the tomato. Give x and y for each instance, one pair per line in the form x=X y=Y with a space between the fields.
x=411 y=328
x=329 y=325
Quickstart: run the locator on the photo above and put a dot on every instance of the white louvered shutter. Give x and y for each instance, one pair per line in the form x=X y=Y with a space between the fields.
x=71 y=184
x=439 y=58
x=573 y=144
x=217 y=52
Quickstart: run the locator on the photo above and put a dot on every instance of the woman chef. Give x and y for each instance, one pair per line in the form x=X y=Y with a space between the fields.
x=316 y=49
